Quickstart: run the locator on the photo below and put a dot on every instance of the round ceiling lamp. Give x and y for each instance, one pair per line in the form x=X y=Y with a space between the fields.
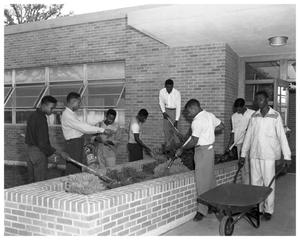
x=278 y=41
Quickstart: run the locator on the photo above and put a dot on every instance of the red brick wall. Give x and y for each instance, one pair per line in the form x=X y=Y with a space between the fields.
x=207 y=72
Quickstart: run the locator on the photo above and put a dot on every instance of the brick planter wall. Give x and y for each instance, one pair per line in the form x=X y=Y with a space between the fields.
x=147 y=208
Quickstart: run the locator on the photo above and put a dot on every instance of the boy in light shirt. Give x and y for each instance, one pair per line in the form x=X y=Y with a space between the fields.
x=240 y=120
x=204 y=126
x=265 y=139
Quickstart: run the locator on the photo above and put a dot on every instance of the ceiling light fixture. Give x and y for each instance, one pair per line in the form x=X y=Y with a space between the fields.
x=278 y=41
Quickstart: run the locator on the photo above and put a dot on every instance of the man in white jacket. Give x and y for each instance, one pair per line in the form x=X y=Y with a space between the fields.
x=265 y=138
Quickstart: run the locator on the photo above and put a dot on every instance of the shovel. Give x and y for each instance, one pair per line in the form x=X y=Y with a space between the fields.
x=176 y=130
x=103 y=178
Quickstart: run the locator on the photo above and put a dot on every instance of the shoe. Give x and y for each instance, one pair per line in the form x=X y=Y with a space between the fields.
x=267 y=216
x=198 y=217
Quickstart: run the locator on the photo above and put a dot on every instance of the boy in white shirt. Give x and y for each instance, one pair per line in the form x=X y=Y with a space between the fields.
x=135 y=144
x=240 y=120
x=170 y=105
x=203 y=128
x=265 y=139
x=73 y=131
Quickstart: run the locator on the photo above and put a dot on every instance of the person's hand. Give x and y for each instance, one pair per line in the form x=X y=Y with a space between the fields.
x=287 y=163
x=166 y=115
x=178 y=152
x=227 y=148
x=148 y=151
x=108 y=132
x=64 y=155
x=108 y=142
x=175 y=124
x=241 y=161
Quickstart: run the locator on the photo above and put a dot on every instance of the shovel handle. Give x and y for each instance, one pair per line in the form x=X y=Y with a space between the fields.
x=104 y=179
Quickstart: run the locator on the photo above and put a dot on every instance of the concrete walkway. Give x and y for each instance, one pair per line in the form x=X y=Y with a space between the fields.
x=283 y=222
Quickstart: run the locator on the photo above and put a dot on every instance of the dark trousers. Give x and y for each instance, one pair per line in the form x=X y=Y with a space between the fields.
x=135 y=152
x=37 y=164
x=74 y=147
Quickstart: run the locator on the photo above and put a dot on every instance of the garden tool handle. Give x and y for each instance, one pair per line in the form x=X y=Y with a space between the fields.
x=104 y=179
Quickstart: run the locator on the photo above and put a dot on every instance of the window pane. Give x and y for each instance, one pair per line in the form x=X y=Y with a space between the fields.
x=60 y=92
x=249 y=92
x=31 y=75
x=7 y=116
x=26 y=96
x=262 y=70
x=292 y=70
x=8 y=76
x=98 y=95
x=106 y=70
x=6 y=91
x=23 y=115
x=66 y=73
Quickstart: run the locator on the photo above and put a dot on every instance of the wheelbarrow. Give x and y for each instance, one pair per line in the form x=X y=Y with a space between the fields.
x=232 y=202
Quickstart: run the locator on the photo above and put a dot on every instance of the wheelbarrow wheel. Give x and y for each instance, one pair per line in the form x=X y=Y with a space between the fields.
x=226 y=227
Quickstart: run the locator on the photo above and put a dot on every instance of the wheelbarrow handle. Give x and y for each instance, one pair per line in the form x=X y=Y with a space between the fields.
x=237 y=173
x=276 y=175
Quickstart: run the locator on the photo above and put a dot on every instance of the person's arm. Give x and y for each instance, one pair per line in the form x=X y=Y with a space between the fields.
x=162 y=105
x=178 y=108
x=139 y=141
x=117 y=137
x=192 y=141
x=82 y=126
x=219 y=128
x=247 y=139
x=43 y=139
x=282 y=139
x=161 y=102
x=231 y=137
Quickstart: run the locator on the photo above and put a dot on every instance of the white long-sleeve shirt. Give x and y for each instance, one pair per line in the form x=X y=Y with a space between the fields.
x=265 y=137
x=170 y=100
x=240 y=123
x=72 y=127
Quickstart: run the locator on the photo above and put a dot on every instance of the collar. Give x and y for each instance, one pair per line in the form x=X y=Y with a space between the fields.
x=271 y=113
x=69 y=109
x=198 y=115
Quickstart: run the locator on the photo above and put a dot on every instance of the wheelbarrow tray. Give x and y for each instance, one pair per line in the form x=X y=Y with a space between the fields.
x=233 y=202
x=234 y=195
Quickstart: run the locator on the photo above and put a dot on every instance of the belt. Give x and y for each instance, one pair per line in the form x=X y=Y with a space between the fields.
x=171 y=108
x=209 y=146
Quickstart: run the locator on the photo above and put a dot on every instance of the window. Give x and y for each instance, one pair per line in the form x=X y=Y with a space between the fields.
x=103 y=95
x=66 y=73
x=262 y=70
x=8 y=116
x=291 y=70
x=106 y=70
x=60 y=91
x=31 y=75
x=23 y=114
x=101 y=85
x=27 y=96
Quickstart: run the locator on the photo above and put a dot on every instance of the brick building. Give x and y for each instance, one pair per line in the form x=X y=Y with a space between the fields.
x=114 y=63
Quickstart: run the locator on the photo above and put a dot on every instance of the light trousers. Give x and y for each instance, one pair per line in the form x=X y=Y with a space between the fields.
x=262 y=172
x=204 y=172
